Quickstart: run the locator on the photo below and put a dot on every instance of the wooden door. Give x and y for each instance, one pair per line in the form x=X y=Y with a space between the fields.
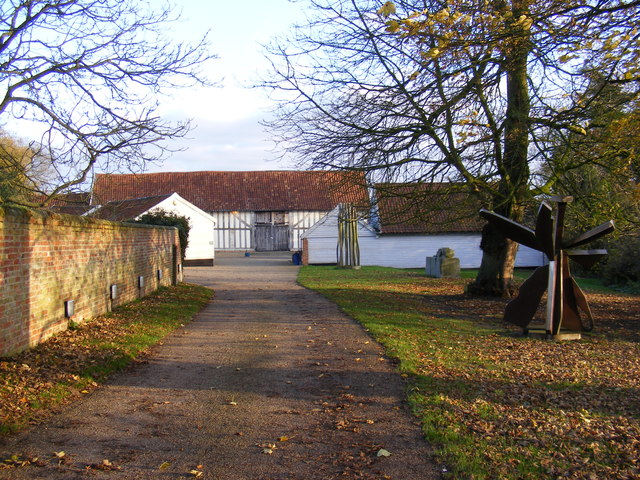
x=271 y=238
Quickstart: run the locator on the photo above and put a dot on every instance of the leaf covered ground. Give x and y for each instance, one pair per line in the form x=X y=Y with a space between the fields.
x=498 y=405
x=71 y=363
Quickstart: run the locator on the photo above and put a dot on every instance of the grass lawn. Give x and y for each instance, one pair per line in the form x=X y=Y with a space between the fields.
x=73 y=362
x=496 y=405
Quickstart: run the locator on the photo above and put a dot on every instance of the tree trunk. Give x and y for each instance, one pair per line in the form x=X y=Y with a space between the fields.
x=495 y=277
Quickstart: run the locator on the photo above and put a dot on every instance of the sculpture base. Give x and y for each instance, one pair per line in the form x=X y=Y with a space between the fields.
x=543 y=335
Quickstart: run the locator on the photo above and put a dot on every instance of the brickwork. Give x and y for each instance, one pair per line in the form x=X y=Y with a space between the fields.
x=47 y=259
x=305 y=251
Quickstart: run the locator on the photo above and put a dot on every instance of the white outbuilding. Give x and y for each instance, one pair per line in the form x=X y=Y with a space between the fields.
x=201 y=246
x=398 y=240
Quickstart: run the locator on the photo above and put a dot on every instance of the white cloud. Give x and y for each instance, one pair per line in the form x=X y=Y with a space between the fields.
x=228 y=135
x=233 y=145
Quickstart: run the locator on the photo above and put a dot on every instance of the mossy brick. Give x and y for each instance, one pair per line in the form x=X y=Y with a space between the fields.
x=61 y=256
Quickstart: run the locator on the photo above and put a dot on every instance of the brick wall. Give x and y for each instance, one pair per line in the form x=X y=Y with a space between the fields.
x=47 y=259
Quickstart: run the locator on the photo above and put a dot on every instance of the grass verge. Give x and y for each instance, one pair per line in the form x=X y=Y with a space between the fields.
x=493 y=404
x=74 y=362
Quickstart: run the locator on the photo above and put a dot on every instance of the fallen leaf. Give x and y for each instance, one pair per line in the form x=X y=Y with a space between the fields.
x=60 y=454
x=267 y=451
x=383 y=453
x=164 y=465
x=284 y=438
x=105 y=466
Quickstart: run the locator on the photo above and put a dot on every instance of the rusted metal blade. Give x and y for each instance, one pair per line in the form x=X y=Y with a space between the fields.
x=544 y=230
x=520 y=310
x=591 y=235
x=586 y=258
x=510 y=229
x=570 y=316
x=583 y=305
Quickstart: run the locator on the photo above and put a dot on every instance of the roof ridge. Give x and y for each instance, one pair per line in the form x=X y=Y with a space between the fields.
x=149 y=197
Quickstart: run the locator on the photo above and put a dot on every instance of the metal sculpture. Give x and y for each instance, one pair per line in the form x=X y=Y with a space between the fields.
x=348 y=246
x=564 y=298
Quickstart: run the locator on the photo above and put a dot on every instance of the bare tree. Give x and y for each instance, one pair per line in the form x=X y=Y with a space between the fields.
x=458 y=91
x=89 y=75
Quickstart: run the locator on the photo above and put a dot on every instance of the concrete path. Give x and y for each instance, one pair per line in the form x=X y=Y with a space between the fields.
x=271 y=381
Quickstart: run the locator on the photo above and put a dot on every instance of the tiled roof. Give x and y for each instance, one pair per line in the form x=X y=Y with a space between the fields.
x=73 y=198
x=71 y=209
x=75 y=203
x=122 y=210
x=240 y=191
x=426 y=208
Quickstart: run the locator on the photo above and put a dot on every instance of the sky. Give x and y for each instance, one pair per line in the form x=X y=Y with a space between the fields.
x=227 y=133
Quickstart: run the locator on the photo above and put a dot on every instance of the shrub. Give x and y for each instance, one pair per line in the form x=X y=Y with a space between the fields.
x=623 y=264
x=169 y=219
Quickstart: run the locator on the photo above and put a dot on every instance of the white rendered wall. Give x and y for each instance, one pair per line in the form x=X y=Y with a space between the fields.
x=202 y=232
x=403 y=251
x=300 y=222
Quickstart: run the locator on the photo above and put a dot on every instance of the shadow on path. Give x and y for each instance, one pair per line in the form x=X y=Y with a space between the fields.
x=271 y=381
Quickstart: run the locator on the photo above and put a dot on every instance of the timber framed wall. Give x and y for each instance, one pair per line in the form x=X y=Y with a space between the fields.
x=237 y=230
x=48 y=259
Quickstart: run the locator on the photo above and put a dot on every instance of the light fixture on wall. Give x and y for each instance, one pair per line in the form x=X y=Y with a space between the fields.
x=69 y=308
x=113 y=292
x=140 y=282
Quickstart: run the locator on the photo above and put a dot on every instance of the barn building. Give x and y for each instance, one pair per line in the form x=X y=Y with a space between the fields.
x=258 y=210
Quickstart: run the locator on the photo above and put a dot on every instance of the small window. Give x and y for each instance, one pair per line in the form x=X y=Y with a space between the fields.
x=280 y=218
x=263 y=217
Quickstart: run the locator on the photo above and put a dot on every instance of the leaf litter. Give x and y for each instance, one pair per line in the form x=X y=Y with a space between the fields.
x=569 y=409
x=506 y=406
x=71 y=363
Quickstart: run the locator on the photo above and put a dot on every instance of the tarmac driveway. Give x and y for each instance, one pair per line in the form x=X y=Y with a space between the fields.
x=271 y=381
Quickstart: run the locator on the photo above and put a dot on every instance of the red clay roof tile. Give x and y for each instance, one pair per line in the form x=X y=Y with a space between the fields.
x=120 y=211
x=75 y=203
x=405 y=208
x=283 y=190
